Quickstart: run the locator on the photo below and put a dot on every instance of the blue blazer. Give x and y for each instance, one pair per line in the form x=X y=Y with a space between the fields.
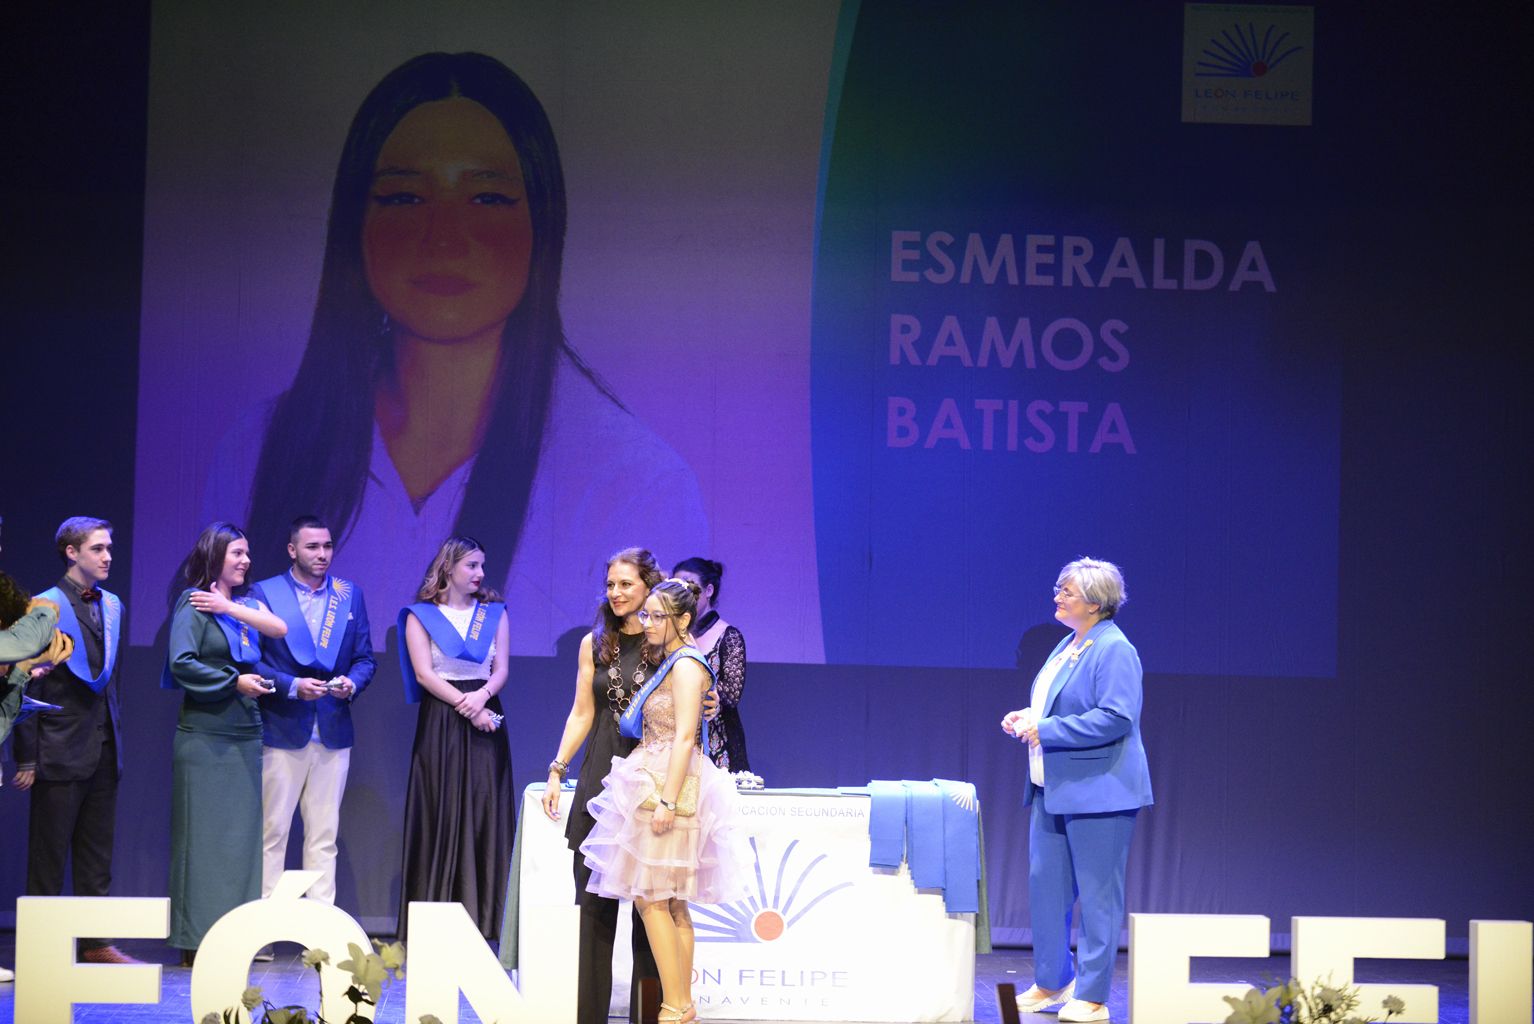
x=1094 y=761
x=288 y=722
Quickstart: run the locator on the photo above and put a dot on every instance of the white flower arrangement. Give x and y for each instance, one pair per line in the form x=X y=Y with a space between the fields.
x=369 y=971
x=1292 y=1003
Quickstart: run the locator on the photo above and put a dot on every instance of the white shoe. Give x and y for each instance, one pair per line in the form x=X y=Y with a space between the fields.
x=1038 y=1001
x=1078 y=1010
x=7 y=975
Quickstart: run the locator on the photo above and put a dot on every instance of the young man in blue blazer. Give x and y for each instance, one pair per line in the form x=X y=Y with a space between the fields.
x=319 y=668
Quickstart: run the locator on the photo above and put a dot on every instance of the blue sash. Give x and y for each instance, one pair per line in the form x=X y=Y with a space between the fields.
x=283 y=600
x=475 y=646
x=30 y=707
x=111 y=628
x=244 y=643
x=631 y=723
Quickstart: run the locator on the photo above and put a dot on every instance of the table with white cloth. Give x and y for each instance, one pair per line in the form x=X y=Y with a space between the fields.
x=822 y=935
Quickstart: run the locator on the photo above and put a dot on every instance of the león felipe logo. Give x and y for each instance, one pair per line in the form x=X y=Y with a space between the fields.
x=758 y=918
x=1235 y=53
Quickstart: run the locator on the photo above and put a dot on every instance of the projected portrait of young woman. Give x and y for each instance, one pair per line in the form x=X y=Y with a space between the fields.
x=437 y=393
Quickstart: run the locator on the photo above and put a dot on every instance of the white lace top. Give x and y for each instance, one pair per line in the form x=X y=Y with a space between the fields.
x=458 y=668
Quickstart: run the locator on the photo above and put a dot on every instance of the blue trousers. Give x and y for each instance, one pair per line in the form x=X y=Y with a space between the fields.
x=1070 y=856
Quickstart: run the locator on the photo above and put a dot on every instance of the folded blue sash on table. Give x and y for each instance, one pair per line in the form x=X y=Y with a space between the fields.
x=934 y=827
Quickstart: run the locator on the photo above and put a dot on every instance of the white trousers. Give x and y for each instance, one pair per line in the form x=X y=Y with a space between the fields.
x=310 y=779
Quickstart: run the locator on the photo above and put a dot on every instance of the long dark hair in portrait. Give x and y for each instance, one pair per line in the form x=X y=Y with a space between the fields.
x=350 y=348
x=604 y=633
x=205 y=562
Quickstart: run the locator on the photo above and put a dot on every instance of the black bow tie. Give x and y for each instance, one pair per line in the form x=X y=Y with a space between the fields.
x=89 y=596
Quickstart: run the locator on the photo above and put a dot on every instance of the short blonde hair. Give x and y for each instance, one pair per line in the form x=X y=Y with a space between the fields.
x=1101 y=584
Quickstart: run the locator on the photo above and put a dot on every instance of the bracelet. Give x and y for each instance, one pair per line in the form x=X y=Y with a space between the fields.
x=560 y=767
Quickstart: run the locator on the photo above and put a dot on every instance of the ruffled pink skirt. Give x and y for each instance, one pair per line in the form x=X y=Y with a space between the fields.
x=703 y=858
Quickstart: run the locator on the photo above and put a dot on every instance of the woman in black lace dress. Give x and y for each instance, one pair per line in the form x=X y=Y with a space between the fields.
x=725 y=648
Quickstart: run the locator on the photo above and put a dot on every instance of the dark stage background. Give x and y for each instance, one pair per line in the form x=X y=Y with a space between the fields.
x=1396 y=787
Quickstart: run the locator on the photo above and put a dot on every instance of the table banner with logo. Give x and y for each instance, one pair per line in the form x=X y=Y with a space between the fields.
x=823 y=936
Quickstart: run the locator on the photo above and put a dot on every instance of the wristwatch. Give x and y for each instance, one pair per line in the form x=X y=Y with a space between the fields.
x=669 y=805
x=560 y=767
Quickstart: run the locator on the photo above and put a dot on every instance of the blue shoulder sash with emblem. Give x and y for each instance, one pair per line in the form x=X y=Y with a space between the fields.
x=631 y=722
x=244 y=643
x=282 y=598
x=473 y=645
x=111 y=632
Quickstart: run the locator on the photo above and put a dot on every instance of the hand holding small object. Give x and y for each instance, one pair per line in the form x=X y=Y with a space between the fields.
x=251 y=685
x=1028 y=728
x=310 y=688
x=1023 y=724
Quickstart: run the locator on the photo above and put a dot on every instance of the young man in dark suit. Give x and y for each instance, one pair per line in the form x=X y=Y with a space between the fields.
x=71 y=759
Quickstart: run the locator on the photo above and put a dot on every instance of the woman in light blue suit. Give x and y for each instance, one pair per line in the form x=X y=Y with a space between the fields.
x=1087 y=779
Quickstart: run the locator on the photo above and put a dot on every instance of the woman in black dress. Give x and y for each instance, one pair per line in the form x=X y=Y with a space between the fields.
x=725 y=648
x=459 y=813
x=614 y=663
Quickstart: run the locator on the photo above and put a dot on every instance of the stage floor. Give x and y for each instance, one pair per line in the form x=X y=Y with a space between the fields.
x=286 y=981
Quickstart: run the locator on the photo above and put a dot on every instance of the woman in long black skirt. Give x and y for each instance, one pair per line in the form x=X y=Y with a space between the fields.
x=459 y=806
